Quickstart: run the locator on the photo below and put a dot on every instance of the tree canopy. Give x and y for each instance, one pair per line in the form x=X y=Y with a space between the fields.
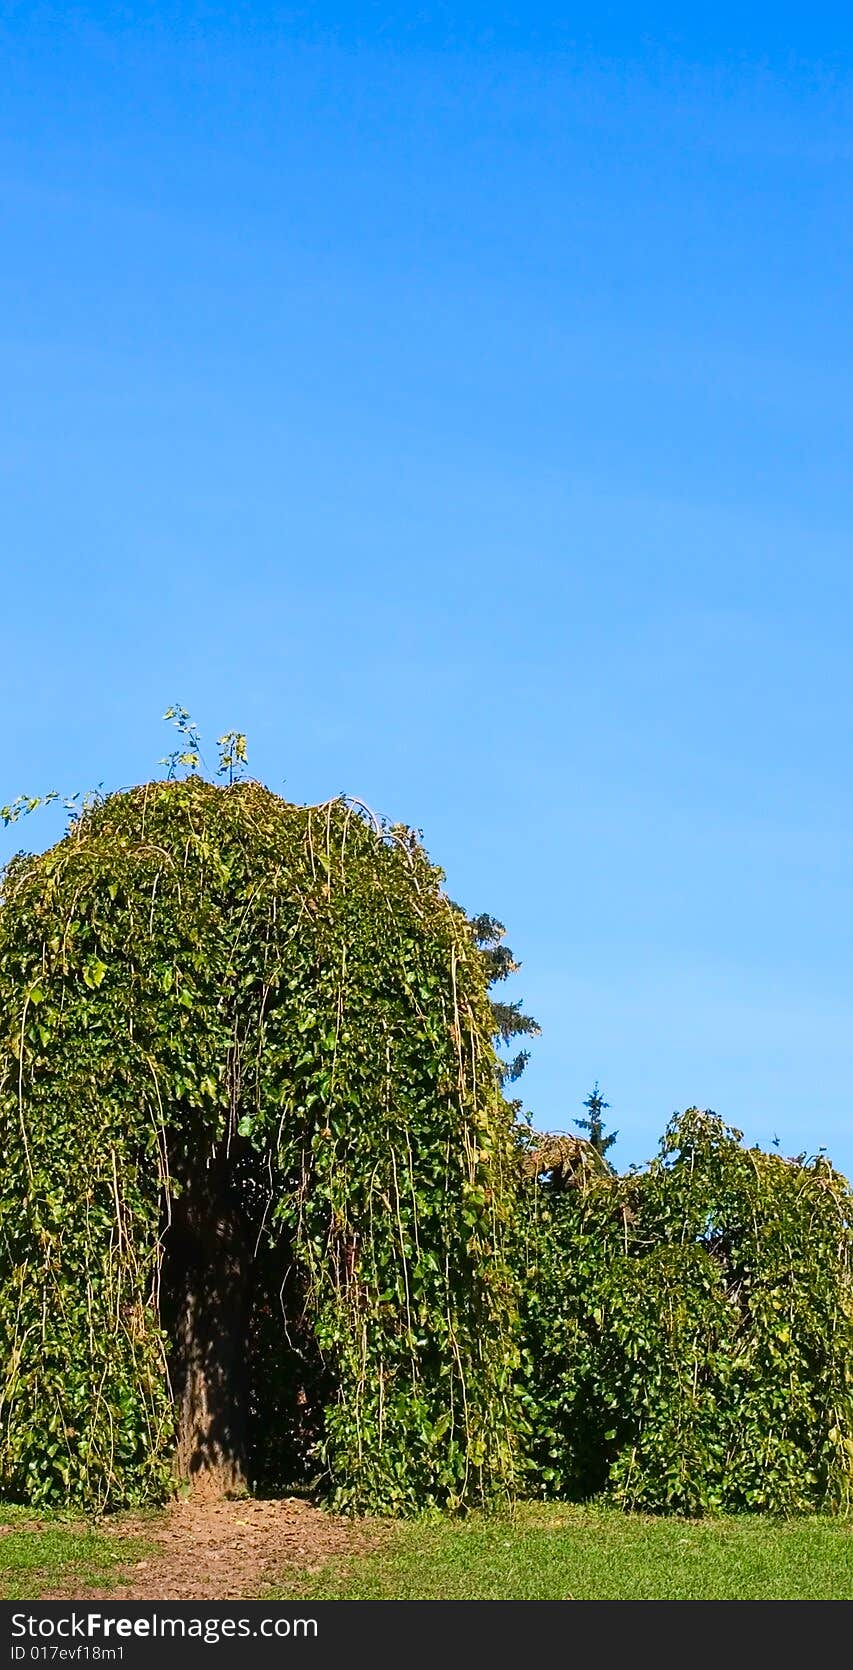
x=259 y=1173
x=688 y=1327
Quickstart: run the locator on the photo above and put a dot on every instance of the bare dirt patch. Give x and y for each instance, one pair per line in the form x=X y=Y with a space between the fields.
x=226 y=1550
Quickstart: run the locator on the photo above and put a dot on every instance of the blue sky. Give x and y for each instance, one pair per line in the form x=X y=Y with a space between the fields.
x=458 y=400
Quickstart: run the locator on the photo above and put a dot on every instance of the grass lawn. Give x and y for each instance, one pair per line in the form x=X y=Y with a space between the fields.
x=538 y=1553
x=41 y=1552
x=562 y=1553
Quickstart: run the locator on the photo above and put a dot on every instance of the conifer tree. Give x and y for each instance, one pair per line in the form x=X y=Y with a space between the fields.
x=596 y=1134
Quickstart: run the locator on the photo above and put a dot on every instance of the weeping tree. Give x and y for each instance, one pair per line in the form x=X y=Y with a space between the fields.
x=689 y=1326
x=259 y=1179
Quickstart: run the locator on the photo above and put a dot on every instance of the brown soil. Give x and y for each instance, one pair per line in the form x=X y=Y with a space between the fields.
x=226 y=1550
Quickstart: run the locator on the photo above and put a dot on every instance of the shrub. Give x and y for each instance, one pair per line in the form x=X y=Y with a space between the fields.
x=688 y=1328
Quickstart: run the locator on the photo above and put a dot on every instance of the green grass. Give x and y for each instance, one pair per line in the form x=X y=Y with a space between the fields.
x=538 y=1553
x=562 y=1553
x=44 y=1551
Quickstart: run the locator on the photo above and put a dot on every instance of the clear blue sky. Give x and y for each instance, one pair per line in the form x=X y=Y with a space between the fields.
x=458 y=400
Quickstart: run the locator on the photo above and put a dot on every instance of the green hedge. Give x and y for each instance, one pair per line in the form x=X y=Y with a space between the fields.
x=688 y=1329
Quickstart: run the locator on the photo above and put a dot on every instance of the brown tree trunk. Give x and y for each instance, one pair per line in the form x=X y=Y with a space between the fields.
x=207 y=1285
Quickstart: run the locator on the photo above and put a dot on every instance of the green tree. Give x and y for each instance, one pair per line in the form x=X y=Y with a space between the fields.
x=510 y=1021
x=259 y=1181
x=687 y=1328
x=596 y=1134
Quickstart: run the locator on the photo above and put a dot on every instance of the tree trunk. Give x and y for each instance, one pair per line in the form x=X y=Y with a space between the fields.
x=207 y=1272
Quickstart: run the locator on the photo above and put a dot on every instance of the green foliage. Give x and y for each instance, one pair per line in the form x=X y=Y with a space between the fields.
x=203 y=975
x=202 y=969
x=597 y=1136
x=232 y=754
x=24 y=804
x=508 y=1019
x=188 y=751
x=689 y=1330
